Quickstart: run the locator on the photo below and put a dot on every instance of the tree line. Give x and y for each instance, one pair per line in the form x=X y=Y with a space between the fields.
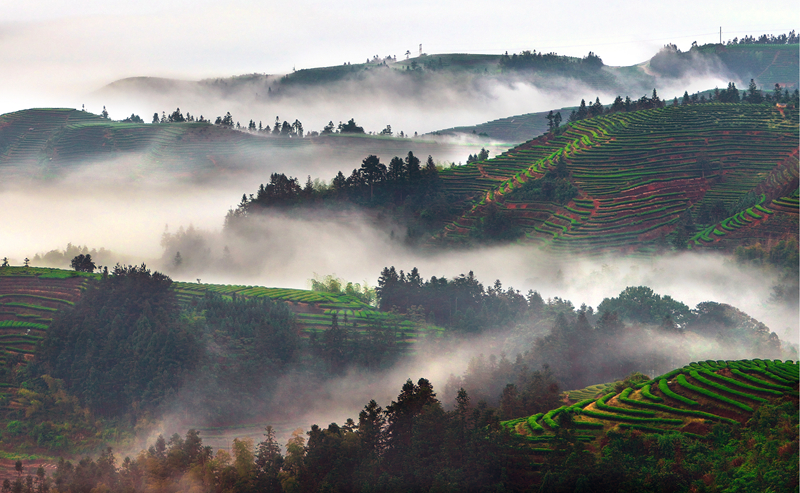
x=730 y=94
x=406 y=187
x=415 y=445
x=531 y=60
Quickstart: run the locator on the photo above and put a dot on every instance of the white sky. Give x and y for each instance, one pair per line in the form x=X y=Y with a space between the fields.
x=54 y=51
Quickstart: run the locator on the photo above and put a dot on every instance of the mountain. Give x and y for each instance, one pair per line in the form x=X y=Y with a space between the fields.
x=768 y=64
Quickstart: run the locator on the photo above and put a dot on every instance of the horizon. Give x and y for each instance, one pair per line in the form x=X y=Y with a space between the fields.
x=55 y=53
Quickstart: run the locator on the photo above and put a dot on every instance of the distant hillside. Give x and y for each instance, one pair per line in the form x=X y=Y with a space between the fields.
x=424 y=76
x=513 y=129
x=50 y=142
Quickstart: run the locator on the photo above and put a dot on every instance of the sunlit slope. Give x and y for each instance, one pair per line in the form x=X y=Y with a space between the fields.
x=637 y=174
x=49 y=142
x=687 y=400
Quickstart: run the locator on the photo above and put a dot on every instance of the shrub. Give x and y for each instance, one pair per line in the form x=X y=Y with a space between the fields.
x=548 y=418
x=646 y=393
x=664 y=388
x=601 y=404
x=711 y=395
x=743 y=385
x=533 y=423
x=697 y=376
x=15 y=428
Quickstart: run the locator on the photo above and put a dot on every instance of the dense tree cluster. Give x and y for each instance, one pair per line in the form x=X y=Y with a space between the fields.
x=406 y=187
x=554 y=186
x=415 y=445
x=531 y=60
x=63 y=258
x=731 y=94
x=767 y=39
x=83 y=263
x=461 y=303
x=122 y=346
x=483 y=155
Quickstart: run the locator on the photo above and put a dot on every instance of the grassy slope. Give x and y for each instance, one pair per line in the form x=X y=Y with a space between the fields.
x=637 y=173
x=688 y=400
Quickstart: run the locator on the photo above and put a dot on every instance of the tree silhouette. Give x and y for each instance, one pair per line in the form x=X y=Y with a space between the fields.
x=83 y=263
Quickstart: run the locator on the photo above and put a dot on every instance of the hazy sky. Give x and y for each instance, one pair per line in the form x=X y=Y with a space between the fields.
x=54 y=51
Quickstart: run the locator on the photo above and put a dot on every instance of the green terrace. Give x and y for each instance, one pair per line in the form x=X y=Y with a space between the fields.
x=687 y=400
x=314 y=309
x=637 y=172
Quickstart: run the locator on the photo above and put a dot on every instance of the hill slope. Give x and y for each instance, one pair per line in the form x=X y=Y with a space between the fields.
x=688 y=401
x=635 y=175
x=50 y=142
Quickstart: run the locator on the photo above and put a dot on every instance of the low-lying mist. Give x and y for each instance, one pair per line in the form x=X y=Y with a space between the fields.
x=412 y=103
x=286 y=250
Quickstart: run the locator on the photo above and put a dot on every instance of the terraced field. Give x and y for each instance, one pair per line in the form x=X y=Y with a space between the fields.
x=688 y=400
x=637 y=173
x=29 y=298
x=314 y=310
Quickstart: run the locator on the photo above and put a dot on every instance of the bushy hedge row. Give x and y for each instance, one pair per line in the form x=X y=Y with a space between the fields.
x=711 y=395
x=768 y=374
x=632 y=419
x=648 y=395
x=700 y=378
x=782 y=370
x=601 y=404
x=743 y=385
x=664 y=388
x=533 y=423
x=548 y=418
x=588 y=424
x=578 y=406
x=674 y=410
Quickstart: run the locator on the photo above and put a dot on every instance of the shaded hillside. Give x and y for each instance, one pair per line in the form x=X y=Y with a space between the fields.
x=635 y=176
x=518 y=128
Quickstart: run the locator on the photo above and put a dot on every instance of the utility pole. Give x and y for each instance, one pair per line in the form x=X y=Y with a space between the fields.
x=420 y=49
x=720 y=34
